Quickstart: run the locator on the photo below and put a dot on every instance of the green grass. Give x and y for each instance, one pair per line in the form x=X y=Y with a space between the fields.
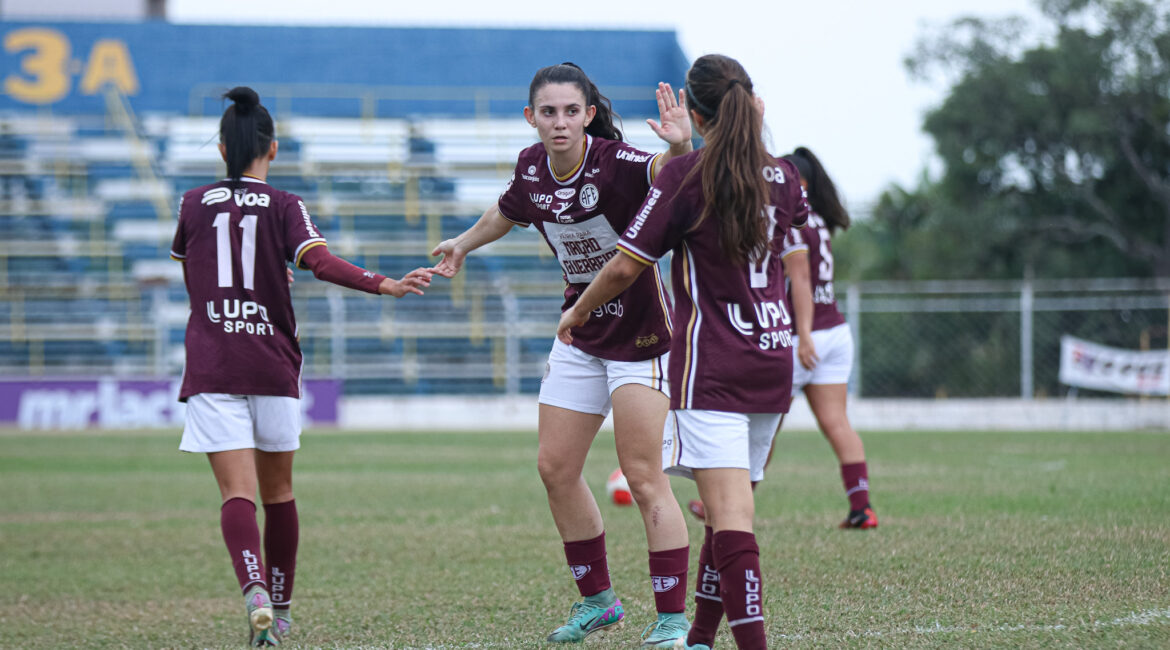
x=444 y=539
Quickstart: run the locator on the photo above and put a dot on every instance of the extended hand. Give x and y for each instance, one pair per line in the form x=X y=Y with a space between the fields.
x=452 y=259
x=412 y=282
x=675 y=125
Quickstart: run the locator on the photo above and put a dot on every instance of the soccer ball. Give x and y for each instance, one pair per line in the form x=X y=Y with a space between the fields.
x=618 y=489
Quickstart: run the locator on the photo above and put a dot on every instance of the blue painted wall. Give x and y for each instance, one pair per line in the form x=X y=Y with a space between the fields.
x=340 y=71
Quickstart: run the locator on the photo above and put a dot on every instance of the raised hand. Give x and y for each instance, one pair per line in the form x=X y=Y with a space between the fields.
x=674 y=125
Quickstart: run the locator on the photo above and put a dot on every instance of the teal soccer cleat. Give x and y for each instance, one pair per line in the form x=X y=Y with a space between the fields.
x=588 y=617
x=664 y=632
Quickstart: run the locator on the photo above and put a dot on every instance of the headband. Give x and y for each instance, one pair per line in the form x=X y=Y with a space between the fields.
x=694 y=101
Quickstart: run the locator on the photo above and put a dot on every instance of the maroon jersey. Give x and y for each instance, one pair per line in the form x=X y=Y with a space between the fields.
x=814 y=238
x=241 y=334
x=580 y=217
x=736 y=336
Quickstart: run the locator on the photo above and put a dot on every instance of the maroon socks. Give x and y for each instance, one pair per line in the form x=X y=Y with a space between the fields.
x=587 y=562
x=281 y=534
x=237 y=520
x=668 y=578
x=856 y=479
x=740 y=585
x=708 y=603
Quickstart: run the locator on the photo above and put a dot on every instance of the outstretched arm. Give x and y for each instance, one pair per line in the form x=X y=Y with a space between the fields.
x=490 y=227
x=330 y=268
x=615 y=277
x=675 y=125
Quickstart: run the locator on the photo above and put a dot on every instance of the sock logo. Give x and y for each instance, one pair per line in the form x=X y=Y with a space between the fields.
x=862 y=486
x=277 y=585
x=252 y=566
x=752 y=587
x=663 y=583
x=709 y=582
x=579 y=570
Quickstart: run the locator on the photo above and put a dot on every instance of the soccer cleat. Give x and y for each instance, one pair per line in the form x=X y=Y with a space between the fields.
x=281 y=623
x=664 y=632
x=862 y=519
x=697 y=509
x=259 y=607
x=587 y=617
x=681 y=644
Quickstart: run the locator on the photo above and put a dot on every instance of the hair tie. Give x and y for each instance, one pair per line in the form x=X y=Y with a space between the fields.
x=733 y=82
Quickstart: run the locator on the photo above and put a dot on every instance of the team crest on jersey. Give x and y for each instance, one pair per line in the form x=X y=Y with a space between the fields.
x=579 y=570
x=589 y=196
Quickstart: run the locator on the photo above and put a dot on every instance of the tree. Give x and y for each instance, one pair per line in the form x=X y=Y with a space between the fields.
x=1055 y=155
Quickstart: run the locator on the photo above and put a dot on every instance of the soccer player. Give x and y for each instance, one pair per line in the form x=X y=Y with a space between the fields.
x=242 y=377
x=579 y=187
x=824 y=344
x=724 y=210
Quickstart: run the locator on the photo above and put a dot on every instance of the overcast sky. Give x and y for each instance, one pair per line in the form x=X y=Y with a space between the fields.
x=830 y=71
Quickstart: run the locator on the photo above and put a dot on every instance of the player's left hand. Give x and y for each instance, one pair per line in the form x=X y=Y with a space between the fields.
x=412 y=282
x=675 y=125
x=570 y=318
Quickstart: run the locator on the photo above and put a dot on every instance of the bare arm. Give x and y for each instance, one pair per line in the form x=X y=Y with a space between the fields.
x=615 y=277
x=490 y=227
x=797 y=269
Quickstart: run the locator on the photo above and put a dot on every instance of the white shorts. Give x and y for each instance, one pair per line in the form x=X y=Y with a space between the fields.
x=835 y=349
x=697 y=439
x=581 y=382
x=219 y=422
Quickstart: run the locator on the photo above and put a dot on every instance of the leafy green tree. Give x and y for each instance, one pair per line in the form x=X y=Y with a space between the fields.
x=1055 y=153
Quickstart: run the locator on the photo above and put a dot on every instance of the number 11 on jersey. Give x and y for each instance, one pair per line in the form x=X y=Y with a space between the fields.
x=223 y=250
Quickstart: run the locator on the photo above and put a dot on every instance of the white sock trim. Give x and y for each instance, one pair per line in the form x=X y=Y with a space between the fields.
x=741 y=621
x=714 y=598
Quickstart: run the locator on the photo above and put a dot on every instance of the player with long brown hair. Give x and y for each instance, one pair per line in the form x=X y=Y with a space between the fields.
x=724 y=211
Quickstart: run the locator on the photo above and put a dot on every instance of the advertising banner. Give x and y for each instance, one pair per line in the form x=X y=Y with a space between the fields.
x=1089 y=365
x=109 y=403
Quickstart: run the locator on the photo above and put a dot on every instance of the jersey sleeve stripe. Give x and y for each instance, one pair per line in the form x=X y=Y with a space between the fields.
x=803 y=248
x=636 y=254
x=177 y=257
x=518 y=223
x=306 y=245
x=650 y=175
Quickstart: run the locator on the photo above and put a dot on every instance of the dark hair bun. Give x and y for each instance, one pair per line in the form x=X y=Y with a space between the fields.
x=244 y=97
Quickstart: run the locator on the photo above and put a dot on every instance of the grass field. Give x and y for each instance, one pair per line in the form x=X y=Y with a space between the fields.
x=444 y=540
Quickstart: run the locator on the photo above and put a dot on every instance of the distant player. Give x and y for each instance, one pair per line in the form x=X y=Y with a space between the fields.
x=824 y=344
x=242 y=380
x=581 y=186
x=724 y=210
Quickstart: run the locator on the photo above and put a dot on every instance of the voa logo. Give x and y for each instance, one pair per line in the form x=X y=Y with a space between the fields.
x=774 y=174
x=624 y=154
x=242 y=197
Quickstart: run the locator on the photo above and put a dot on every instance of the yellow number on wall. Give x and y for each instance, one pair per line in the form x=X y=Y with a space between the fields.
x=47 y=65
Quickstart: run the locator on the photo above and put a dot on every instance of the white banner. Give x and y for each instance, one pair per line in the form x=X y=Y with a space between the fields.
x=1099 y=367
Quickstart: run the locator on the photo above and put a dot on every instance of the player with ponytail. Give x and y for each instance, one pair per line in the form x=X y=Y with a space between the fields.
x=724 y=211
x=242 y=378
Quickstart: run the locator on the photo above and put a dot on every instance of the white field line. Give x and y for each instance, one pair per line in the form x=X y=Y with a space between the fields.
x=1147 y=617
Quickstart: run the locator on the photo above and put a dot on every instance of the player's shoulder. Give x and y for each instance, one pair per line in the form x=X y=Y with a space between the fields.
x=603 y=149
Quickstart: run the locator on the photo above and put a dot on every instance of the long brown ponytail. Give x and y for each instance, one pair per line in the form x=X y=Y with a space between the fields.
x=733 y=156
